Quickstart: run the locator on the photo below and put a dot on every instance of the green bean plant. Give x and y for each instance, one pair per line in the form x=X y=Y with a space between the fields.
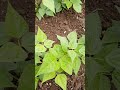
x=55 y=61
x=51 y=7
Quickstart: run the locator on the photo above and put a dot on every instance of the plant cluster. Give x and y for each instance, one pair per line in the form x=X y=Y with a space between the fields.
x=54 y=61
x=50 y=7
x=102 y=54
x=14 y=49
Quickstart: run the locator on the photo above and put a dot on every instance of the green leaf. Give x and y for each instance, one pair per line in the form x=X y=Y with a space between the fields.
x=37 y=59
x=57 y=51
x=27 y=78
x=100 y=82
x=113 y=58
x=40 y=48
x=76 y=1
x=93 y=33
x=77 y=7
x=8 y=66
x=93 y=68
x=50 y=4
x=82 y=50
x=40 y=37
x=58 y=7
x=3 y=37
x=83 y=59
x=38 y=16
x=10 y=52
x=48 y=43
x=64 y=42
x=112 y=33
x=49 y=13
x=72 y=37
x=116 y=79
x=68 y=3
x=101 y=55
x=66 y=64
x=5 y=79
x=41 y=12
x=61 y=80
x=76 y=65
x=48 y=76
x=50 y=64
x=72 y=54
x=27 y=41
x=81 y=40
x=16 y=26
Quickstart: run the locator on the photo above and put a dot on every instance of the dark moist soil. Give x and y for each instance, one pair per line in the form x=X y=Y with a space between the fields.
x=62 y=24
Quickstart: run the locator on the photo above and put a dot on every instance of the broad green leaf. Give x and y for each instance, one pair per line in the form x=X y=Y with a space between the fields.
x=66 y=64
x=72 y=37
x=78 y=48
x=81 y=40
x=82 y=50
x=36 y=70
x=16 y=26
x=113 y=58
x=49 y=13
x=61 y=80
x=50 y=64
x=48 y=43
x=68 y=3
x=58 y=7
x=8 y=66
x=40 y=37
x=93 y=33
x=101 y=55
x=100 y=82
x=5 y=79
x=40 y=48
x=50 y=4
x=38 y=16
x=112 y=33
x=57 y=51
x=77 y=7
x=10 y=52
x=37 y=59
x=3 y=37
x=93 y=68
x=76 y=65
x=27 y=41
x=72 y=54
x=49 y=57
x=48 y=76
x=116 y=79
x=83 y=59
x=27 y=78
x=41 y=12
x=64 y=42
x=76 y=1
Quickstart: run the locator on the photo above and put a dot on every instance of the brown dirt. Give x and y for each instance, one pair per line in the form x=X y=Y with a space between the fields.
x=61 y=24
